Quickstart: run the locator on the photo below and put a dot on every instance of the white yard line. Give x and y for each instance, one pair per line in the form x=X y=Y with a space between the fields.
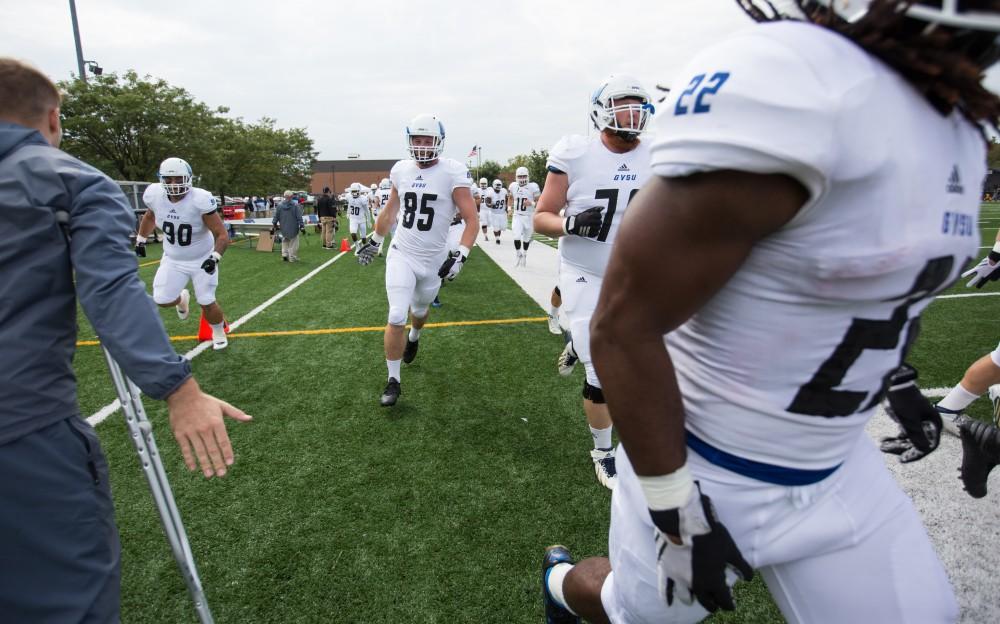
x=109 y=409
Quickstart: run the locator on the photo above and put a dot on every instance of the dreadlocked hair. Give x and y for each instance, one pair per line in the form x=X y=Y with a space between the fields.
x=928 y=58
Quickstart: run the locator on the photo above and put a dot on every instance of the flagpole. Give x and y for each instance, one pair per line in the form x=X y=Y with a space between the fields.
x=479 y=161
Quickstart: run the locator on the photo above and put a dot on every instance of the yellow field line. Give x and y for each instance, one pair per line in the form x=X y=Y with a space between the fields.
x=150 y=263
x=344 y=330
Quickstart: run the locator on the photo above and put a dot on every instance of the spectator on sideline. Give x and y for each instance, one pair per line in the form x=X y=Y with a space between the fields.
x=288 y=217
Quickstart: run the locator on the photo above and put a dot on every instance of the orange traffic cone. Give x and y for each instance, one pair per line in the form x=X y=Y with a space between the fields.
x=205 y=330
x=344 y=245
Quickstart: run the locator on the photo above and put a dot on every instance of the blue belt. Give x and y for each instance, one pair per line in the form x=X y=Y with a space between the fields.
x=769 y=473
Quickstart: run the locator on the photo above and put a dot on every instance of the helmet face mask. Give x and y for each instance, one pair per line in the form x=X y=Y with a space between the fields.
x=425 y=138
x=385 y=184
x=483 y=183
x=356 y=189
x=521 y=175
x=175 y=176
x=622 y=106
x=497 y=185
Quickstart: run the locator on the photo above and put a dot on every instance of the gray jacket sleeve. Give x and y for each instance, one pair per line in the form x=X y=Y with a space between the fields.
x=108 y=287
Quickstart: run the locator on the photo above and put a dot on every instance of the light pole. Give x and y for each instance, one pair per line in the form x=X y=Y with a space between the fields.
x=76 y=37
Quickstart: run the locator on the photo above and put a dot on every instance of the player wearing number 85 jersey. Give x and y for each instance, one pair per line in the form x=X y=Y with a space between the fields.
x=427 y=192
x=194 y=239
x=592 y=180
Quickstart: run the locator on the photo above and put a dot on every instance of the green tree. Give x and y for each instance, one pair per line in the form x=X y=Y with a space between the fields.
x=535 y=161
x=125 y=126
x=489 y=170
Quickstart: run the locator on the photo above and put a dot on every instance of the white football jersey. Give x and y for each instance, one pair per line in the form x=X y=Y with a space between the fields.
x=426 y=207
x=498 y=199
x=522 y=198
x=597 y=177
x=357 y=208
x=483 y=194
x=788 y=361
x=185 y=236
x=383 y=196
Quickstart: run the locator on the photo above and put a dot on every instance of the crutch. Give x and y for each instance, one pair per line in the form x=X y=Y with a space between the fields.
x=141 y=431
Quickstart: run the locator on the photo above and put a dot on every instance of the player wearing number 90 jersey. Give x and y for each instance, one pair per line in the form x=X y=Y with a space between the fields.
x=426 y=193
x=194 y=239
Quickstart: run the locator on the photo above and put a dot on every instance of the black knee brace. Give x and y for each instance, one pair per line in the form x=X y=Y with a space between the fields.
x=593 y=393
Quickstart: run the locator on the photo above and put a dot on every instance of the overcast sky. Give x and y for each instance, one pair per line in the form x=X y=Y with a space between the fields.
x=511 y=76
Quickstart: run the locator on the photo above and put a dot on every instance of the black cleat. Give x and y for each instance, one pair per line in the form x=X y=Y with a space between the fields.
x=554 y=613
x=980 y=454
x=391 y=393
x=410 y=352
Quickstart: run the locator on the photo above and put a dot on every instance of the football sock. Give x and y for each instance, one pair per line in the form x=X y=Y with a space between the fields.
x=958 y=399
x=394 y=366
x=414 y=334
x=526 y=243
x=517 y=245
x=602 y=437
x=554 y=580
x=554 y=311
x=218 y=329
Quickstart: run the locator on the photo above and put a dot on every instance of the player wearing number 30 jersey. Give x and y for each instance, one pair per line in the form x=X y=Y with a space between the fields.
x=427 y=191
x=194 y=239
x=592 y=180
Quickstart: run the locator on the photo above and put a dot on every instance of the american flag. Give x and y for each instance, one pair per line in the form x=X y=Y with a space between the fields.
x=473 y=151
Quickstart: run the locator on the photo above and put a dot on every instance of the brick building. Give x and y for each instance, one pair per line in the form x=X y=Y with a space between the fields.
x=339 y=174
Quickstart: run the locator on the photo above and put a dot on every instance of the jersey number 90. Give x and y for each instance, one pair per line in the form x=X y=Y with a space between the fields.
x=177 y=235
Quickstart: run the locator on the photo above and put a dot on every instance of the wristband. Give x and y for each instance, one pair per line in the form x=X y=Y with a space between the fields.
x=141 y=240
x=377 y=238
x=217 y=256
x=994 y=254
x=463 y=251
x=669 y=491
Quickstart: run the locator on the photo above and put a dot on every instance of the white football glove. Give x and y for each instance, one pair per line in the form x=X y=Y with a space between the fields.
x=696 y=568
x=985 y=271
x=450 y=267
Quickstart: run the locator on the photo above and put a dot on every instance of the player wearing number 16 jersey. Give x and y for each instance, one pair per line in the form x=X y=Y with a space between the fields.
x=194 y=239
x=592 y=179
x=523 y=194
x=427 y=193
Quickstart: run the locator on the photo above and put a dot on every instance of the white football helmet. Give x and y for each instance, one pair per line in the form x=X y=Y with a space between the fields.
x=606 y=103
x=374 y=187
x=483 y=183
x=497 y=185
x=427 y=126
x=175 y=168
x=356 y=189
x=385 y=184
x=521 y=175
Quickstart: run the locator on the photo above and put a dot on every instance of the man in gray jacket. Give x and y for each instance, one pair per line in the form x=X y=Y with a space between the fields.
x=60 y=554
x=288 y=216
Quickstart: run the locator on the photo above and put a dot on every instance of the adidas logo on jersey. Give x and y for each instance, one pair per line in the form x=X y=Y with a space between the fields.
x=955 y=181
x=624 y=167
x=581 y=280
x=419 y=177
x=172 y=211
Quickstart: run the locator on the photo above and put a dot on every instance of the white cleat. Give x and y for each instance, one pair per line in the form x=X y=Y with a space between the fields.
x=554 y=327
x=994 y=394
x=219 y=342
x=184 y=307
x=604 y=467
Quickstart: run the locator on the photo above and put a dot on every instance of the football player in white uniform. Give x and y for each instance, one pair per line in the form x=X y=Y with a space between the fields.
x=432 y=190
x=592 y=180
x=523 y=194
x=194 y=239
x=384 y=190
x=373 y=199
x=357 y=213
x=484 y=210
x=816 y=183
x=496 y=200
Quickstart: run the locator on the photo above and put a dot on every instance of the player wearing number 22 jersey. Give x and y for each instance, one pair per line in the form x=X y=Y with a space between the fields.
x=194 y=239
x=427 y=193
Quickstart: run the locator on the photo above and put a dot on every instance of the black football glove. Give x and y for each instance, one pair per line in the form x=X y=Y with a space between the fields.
x=696 y=567
x=210 y=262
x=919 y=422
x=140 y=250
x=366 y=253
x=586 y=224
x=450 y=267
